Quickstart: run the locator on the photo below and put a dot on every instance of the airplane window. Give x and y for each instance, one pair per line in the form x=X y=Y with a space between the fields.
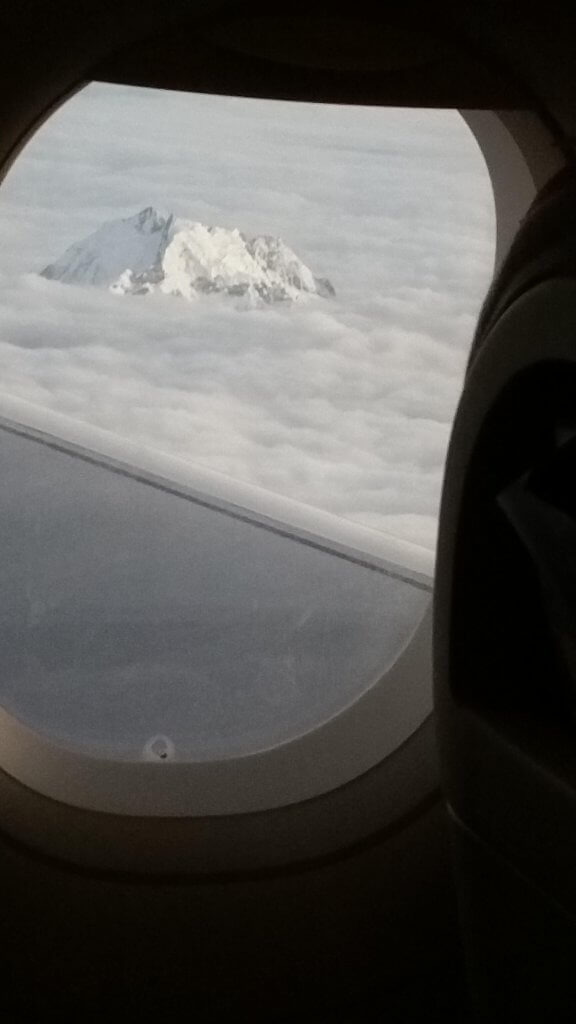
x=283 y=293
x=197 y=289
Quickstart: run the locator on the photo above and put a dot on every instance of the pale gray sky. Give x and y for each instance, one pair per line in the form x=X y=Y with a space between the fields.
x=345 y=404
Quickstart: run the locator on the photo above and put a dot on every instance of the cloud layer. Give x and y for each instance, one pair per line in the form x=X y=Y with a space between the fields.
x=345 y=404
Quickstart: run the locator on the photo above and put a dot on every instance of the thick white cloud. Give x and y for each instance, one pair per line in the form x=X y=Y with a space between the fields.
x=346 y=403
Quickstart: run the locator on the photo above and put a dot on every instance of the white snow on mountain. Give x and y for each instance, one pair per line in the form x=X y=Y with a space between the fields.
x=151 y=253
x=115 y=247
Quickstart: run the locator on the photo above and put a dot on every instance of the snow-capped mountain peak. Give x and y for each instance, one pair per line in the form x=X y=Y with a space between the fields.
x=148 y=221
x=148 y=252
